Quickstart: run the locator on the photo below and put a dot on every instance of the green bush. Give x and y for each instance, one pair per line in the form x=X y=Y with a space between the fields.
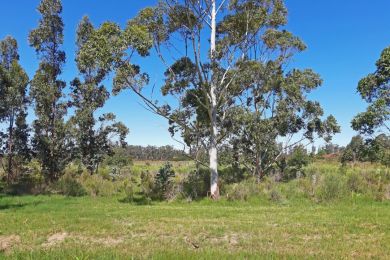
x=296 y=162
x=69 y=186
x=147 y=184
x=275 y=195
x=242 y=191
x=197 y=184
x=355 y=182
x=232 y=174
x=97 y=186
x=307 y=186
x=331 y=187
x=129 y=190
x=163 y=187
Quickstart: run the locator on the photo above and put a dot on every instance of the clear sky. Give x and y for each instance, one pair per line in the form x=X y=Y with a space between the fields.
x=344 y=38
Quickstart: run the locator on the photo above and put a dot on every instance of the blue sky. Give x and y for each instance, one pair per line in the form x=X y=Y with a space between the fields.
x=344 y=38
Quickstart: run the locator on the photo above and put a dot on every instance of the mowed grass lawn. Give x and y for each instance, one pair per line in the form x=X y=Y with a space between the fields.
x=56 y=227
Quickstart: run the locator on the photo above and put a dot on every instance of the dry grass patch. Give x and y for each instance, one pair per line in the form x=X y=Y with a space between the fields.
x=7 y=242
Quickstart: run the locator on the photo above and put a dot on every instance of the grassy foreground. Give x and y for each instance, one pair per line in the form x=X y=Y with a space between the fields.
x=55 y=227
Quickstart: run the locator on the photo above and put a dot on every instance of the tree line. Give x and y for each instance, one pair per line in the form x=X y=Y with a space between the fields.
x=154 y=153
x=228 y=67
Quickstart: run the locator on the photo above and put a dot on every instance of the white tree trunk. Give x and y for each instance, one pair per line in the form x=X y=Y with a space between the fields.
x=213 y=153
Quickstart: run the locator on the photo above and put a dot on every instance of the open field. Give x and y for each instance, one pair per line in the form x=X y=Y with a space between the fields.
x=56 y=227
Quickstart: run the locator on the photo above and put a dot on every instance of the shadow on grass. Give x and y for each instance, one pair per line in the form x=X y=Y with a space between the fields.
x=6 y=206
x=137 y=200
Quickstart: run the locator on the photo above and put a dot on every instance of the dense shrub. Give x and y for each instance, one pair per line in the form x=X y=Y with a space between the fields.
x=68 y=185
x=331 y=187
x=31 y=181
x=163 y=186
x=96 y=185
x=129 y=190
x=298 y=159
x=232 y=174
x=147 y=184
x=197 y=184
x=242 y=191
x=275 y=195
x=355 y=182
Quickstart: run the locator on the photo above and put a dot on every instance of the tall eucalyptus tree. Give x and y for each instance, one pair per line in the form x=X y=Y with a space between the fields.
x=13 y=106
x=51 y=139
x=94 y=141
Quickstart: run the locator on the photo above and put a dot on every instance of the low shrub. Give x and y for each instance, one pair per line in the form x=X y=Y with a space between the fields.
x=68 y=185
x=163 y=186
x=232 y=174
x=242 y=191
x=331 y=187
x=197 y=184
x=96 y=186
x=147 y=184
x=355 y=182
x=296 y=163
x=129 y=190
x=307 y=186
x=275 y=195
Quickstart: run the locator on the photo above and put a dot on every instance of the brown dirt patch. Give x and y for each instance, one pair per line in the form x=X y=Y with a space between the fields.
x=55 y=239
x=7 y=242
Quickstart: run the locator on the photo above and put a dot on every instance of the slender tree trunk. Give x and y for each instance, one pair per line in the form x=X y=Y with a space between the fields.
x=257 y=170
x=213 y=153
x=10 y=148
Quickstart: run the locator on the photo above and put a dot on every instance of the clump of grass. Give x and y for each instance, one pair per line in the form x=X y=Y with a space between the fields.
x=242 y=191
x=331 y=187
x=96 y=185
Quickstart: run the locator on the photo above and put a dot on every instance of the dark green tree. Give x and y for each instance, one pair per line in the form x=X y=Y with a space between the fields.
x=379 y=150
x=94 y=138
x=355 y=150
x=375 y=90
x=51 y=141
x=13 y=106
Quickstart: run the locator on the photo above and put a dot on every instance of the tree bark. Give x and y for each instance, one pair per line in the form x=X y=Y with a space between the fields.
x=213 y=153
x=10 y=148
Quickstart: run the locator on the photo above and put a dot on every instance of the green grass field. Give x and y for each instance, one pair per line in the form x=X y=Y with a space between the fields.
x=56 y=227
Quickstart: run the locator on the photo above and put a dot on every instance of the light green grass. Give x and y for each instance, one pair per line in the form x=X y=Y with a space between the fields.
x=104 y=228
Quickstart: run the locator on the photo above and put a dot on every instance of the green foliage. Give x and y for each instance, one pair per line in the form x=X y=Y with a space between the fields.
x=370 y=150
x=379 y=149
x=118 y=160
x=242 y=191
x=275 y=195
x=355 y=182
x=147 y=184
x=129 y=190
x=68 y=185
x=97 y=186
x=374 y=89
x=163 y=182
x=13 y=109
x=94 y=138
x=354 y=151
x=51 y=141
x=297 y=160
x=196 y=184
x=331 y=187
